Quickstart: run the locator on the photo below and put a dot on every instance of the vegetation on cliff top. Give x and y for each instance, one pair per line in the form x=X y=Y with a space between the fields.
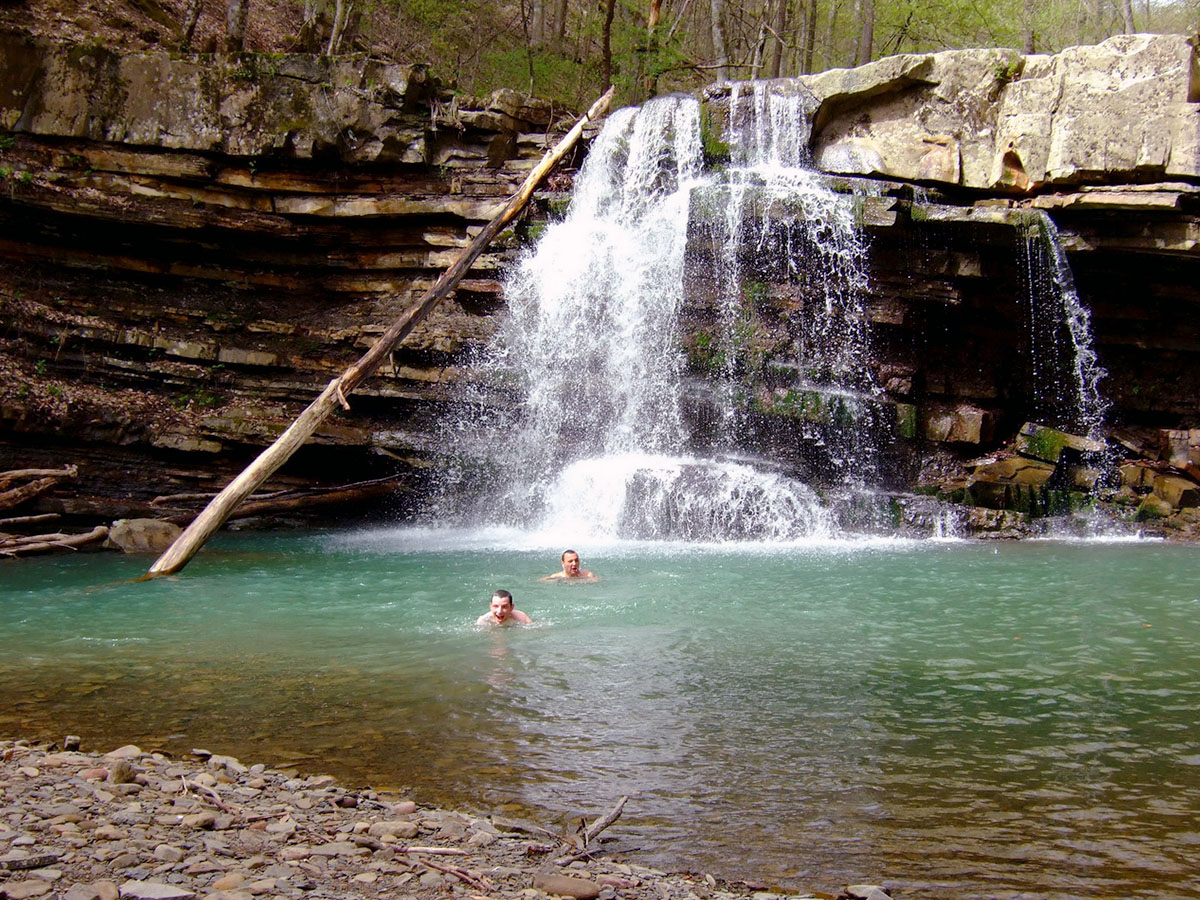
x=569 y=52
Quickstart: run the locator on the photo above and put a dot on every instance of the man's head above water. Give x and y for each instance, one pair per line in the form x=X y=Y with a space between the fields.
x=502 y=612
x=570 y=569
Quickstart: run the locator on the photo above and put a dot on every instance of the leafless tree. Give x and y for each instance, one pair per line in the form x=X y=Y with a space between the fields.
x=235 y=25
x=865 y=13
x=720 y=53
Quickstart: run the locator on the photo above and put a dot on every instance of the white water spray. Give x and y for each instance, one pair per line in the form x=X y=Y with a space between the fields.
x=1084 y=406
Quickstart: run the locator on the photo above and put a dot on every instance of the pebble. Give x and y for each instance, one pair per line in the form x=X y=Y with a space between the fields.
x=22 y=890
x=566 y=886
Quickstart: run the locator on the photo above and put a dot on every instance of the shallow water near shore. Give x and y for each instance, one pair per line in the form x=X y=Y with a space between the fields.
x=962 y=719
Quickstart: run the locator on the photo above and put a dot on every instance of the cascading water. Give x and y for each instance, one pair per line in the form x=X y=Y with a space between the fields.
x=1068 y=391
x=783 y=225
x=622 y=429
x=594 y=346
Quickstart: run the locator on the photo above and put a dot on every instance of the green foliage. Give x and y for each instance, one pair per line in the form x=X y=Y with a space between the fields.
x=7 y=141
x=40 y=367
x=1010 y=68
x=198 y=399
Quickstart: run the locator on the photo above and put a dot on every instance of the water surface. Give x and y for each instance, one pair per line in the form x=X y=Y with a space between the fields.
x=962 y=719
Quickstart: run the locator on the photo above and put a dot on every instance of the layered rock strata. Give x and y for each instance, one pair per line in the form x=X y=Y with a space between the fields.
x=191 y=247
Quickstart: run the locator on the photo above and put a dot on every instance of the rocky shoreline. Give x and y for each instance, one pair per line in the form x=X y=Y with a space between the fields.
x=145 y=826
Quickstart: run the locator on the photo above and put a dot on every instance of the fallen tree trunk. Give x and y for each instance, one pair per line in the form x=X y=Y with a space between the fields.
x=19 y=495
x=28 y=520
x=7 y=478
x=350 y=493
x=218 y=511
x=40 y=543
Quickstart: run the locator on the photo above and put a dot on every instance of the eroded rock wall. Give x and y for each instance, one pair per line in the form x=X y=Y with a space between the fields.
x=191 y=247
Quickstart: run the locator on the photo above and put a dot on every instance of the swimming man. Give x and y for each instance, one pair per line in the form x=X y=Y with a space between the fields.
x=502 y=612
x=570 y=570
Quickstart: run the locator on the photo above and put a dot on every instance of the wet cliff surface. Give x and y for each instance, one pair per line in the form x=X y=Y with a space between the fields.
x=192 y=247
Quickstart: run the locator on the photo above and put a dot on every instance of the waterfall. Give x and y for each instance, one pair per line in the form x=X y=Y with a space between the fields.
x=593 y=345
x=1066 y=389
x=783 y=225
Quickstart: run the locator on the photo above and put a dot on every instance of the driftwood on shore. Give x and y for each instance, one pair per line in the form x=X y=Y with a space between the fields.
x=42 y=481
x=37 y=482
x=216 y=513
x=41 y=543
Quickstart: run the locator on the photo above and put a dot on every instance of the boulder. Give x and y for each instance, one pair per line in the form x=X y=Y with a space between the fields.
x=994 y=119
x=1177 y=491
x=142 y=535
x=959 y=424
x=1047 y=444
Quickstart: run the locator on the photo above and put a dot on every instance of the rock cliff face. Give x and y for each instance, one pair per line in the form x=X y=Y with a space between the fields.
x=191 y=247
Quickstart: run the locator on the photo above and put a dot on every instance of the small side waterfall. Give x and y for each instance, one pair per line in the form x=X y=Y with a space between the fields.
x=1067 y=390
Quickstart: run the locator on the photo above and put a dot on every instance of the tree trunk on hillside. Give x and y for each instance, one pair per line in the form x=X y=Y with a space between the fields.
x=866 y=33
x=1127 y=16
x=834 y=54
x=560 y=27
x=235 y=25
x=779 y=24
x=187 y=30
x=215 y=514
x=606 y=66
x=649 y=63
x=720 y=53
x=810 y=37
x=1028 y=38
x=341 y=14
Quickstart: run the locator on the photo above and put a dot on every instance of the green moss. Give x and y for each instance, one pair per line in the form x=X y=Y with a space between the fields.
x=716 y=151
x=559 y=206
x=532 y=233
x=1044 y=443
x=906 y=420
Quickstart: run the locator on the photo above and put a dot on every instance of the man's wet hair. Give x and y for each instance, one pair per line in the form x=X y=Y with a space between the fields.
x=503 y=595
x=565 y=552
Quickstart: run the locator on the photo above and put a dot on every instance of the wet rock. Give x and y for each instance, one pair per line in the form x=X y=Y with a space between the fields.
x=142 y=535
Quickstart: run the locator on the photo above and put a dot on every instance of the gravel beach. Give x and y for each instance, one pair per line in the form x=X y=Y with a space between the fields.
x=142 y=825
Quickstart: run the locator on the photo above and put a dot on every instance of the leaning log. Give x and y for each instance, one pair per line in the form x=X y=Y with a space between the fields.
x=218 y=511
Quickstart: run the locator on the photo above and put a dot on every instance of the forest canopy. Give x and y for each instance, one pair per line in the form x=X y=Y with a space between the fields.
x=570 y=50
